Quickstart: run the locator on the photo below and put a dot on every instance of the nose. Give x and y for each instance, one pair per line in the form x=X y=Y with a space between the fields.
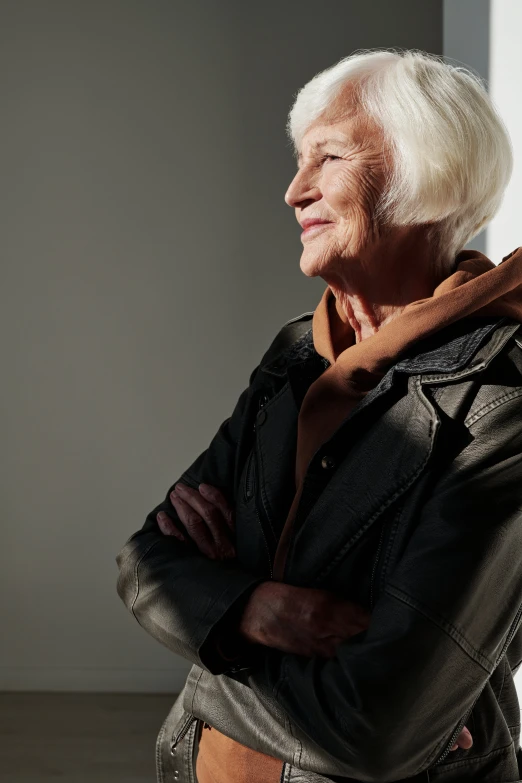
x=302 y=190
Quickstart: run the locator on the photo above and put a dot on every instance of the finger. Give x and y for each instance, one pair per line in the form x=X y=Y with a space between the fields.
x=465 y=740
x=215 y=496
x=195 y=527
x=197 y=531
x=167 y=526
x=211 y=515
x=210 y=499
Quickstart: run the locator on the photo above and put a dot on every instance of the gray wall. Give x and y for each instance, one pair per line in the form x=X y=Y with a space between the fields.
x=466 y=26
x=148 y=259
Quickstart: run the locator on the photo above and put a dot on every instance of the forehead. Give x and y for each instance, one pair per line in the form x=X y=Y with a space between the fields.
x=343 y=122
x=342 y=132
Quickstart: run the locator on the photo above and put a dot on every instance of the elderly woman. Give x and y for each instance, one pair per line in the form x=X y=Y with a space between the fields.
x=342 y=564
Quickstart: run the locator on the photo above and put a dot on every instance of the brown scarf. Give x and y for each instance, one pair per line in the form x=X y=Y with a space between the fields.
x=476 y=287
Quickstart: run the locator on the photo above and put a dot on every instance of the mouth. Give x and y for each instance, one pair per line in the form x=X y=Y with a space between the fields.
x=314 y=227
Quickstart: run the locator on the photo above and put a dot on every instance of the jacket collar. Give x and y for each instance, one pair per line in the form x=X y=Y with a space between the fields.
x=446 y=352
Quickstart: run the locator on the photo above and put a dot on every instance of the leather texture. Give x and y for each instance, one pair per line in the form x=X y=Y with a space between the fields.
x=412 y=509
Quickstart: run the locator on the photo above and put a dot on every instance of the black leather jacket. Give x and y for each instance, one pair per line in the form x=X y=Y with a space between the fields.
x=412 y=509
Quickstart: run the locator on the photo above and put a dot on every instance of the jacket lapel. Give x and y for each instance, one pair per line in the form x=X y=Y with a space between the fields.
x=400 y=435
x=375 y=463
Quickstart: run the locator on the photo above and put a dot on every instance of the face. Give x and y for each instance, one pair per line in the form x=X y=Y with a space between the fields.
x=340 y=177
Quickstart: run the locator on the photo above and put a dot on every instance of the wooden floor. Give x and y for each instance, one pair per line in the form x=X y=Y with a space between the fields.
x=80 y=737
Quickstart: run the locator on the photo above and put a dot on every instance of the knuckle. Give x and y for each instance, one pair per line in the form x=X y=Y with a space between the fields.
x=211 y=517
x=192 y=520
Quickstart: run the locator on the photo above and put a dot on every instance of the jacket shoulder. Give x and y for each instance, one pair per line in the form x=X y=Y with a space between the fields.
x=291 y=333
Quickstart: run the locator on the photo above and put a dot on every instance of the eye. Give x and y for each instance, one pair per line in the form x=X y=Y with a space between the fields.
x=331 y=157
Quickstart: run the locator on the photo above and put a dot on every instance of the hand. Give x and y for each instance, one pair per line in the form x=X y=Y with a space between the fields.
x=301 y=620
x=308 y=622
x=206 y=517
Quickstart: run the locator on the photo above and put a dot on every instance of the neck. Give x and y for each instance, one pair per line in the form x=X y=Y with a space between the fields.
x=374 y=287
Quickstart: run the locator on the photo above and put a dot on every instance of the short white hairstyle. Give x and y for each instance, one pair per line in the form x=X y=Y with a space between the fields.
x=452 y=155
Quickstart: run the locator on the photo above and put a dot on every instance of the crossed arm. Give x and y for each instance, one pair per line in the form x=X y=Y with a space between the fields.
x=305 y=621
x=425 y=656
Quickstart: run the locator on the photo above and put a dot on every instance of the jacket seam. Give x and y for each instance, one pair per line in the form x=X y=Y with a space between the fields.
x=298 y=752
x=159 y=756
x=297 y=318
x=490 y=406
x=137 y=576
x=394 y=526
x=503 y=679
x=448 y=628
x=188 y=745
x=187 y=476
x=194 y=692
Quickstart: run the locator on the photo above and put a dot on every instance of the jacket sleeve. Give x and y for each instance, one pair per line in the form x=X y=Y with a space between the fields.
x=390 y=701
x=179 y=596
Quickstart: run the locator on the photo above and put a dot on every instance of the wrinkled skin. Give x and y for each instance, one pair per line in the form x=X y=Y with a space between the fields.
x=374 y=269
x=300 y=620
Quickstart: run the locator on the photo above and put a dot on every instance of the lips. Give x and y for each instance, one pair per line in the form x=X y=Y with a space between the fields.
x=313 y=222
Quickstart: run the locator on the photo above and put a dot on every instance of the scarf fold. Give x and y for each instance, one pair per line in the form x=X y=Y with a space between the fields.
x=477 y=287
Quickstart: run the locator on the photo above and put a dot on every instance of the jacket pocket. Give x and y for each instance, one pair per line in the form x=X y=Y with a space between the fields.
x=181 y=730
x=175 y=743
x=249 y=486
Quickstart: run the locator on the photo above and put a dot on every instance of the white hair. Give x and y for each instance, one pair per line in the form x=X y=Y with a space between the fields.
x=452 y=155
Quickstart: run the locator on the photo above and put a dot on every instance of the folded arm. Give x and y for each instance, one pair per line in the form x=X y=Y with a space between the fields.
x=437 y=633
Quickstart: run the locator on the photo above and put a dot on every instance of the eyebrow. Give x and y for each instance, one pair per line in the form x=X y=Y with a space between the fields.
x=318 y=145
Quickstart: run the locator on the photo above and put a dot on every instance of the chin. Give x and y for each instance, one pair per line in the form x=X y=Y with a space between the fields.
x=310 y=266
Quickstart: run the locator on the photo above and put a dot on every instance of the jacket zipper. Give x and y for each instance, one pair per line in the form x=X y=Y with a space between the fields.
x=252 y=487
x=375 y=566
x=463 y=721
x=510 y=635
x=455 y=734
x=249 y=476
x=176 y=739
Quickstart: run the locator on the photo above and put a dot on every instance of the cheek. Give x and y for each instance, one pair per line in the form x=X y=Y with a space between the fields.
x=352 y=191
